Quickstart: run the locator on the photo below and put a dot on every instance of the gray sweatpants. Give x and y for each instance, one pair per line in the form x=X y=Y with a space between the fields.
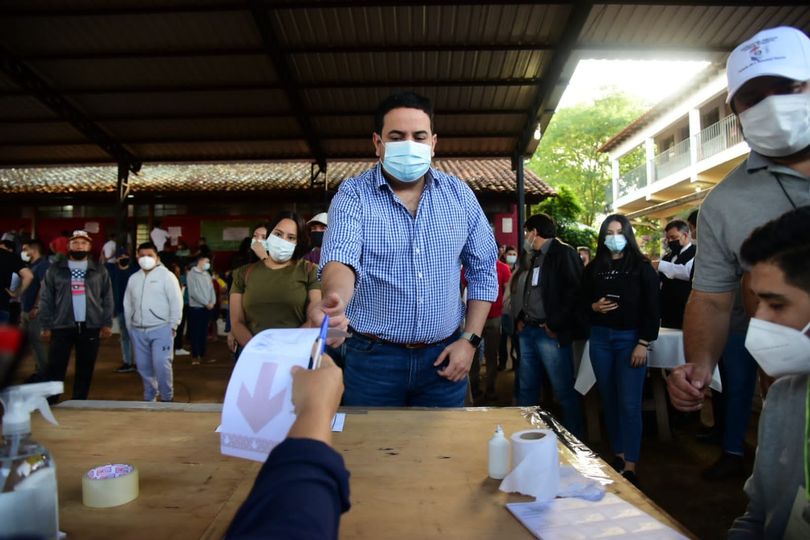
x=153 y=358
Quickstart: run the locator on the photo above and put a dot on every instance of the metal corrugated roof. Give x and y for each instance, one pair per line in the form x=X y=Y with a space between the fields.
x=85 y=81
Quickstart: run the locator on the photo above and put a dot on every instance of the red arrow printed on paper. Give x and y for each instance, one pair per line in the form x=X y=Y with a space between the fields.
x=260 y=408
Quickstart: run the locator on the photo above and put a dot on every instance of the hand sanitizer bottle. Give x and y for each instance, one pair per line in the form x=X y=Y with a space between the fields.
x=28 y=498
x=498 y=455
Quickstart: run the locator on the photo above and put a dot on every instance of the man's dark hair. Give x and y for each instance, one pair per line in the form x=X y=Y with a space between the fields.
x=407 y=100
x=36 y=244
x=679 y=224
x=692 y=219
x=543 y=224
x=784 y=242
x=147 y=245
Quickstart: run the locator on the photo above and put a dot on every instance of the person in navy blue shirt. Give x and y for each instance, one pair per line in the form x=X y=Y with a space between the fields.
x=303 y=487
x=120 y=272
x=391 y=262
x=32 y=253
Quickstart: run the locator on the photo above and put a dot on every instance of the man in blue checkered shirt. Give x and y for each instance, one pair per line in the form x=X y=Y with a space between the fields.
x=390 y=266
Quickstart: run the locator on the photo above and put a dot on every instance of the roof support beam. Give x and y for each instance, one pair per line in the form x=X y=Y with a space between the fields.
x=35 y=86
x=287 y=76
x=580 y=10
x=319 y=85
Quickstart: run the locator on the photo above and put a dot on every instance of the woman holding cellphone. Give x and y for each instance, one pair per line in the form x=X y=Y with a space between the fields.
x=620 y=292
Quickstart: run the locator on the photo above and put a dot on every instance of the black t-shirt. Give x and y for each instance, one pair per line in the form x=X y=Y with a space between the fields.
x=9 y=264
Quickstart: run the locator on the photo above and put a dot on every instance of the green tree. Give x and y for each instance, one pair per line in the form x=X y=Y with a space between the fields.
x=565 y=208
x=568 y=153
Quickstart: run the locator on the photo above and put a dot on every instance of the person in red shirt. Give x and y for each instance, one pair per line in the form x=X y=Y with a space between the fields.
x=59 y=245
x=491 y=338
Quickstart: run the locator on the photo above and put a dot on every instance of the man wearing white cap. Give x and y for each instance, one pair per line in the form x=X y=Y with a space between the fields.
x=317 y=226
x=75 y=310
x=769 y=91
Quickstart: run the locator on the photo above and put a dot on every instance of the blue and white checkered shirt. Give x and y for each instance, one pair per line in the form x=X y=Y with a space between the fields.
x=408 y=269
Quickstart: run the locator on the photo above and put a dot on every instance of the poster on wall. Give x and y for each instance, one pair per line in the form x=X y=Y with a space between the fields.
x=506 y=225
x=225 y=235
x=174 y=234
x=92 y=227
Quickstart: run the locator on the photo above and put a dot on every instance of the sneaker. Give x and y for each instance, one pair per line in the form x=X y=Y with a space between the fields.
x=195 y=361
x=728 y=466
x=125 y=368
x=631 y=477
x=181 y=352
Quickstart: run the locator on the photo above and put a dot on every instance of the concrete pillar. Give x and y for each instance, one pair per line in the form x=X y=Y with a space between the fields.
x=649 y=149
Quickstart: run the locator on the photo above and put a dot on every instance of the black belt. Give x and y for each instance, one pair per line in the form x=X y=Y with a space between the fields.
x=376 y=339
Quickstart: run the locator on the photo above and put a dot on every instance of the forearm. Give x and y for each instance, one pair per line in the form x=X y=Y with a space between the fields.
x=313 y=425
x=477 y=311
x=338 y=278
x=706 y=325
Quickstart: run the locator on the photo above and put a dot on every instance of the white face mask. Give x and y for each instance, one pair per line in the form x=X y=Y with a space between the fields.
x=407 y=161
x=779 y=350
x=25 y=256
x=279 y=249
x=778 y=125
x=511 y=259
x=206 y=267
x=147 y=263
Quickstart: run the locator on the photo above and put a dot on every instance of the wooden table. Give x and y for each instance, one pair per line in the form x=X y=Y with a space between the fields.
x=414 y=473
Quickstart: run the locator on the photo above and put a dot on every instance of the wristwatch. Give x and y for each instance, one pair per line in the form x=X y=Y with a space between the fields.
x=474 y=339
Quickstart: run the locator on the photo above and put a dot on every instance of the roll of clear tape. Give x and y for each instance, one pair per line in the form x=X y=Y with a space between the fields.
x=110 y=485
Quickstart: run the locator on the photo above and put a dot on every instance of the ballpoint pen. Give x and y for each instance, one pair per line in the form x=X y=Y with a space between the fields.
x=319 y=345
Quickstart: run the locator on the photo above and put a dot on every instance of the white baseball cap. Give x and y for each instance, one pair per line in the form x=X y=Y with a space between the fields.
x=783 y=51
x=319 y=218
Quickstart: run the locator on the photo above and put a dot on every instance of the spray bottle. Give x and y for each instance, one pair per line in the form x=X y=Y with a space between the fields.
x=28 y=496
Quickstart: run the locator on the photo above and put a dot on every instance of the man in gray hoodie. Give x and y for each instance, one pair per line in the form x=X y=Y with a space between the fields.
x=201 y=300
x=778 y=493
x=153 y=307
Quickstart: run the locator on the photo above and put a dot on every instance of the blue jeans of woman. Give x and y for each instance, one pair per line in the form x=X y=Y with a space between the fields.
x=378 y=374
x=542 y=352
x=621 y=387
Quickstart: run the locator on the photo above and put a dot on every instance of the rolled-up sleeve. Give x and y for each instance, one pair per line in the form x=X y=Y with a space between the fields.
x=343 y=240
x=480 y=253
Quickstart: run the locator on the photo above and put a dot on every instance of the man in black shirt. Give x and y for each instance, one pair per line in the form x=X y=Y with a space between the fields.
x=675 y=270
x=547 y=324
x=11 y=263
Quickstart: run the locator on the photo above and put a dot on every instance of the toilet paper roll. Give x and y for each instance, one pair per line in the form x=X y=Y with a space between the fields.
x=536 y=463
x=110 y=485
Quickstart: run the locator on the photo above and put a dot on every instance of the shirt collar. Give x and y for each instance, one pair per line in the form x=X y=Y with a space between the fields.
x=757 y=162
x=379 y=178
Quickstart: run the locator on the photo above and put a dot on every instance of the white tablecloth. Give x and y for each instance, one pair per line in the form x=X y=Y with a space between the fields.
x=665 y=352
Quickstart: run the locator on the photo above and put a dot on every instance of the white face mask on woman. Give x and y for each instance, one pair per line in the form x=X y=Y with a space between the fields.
x=779 y=350
x=279 y=249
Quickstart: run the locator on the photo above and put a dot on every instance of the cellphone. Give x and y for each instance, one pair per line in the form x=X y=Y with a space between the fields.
x=613 y=297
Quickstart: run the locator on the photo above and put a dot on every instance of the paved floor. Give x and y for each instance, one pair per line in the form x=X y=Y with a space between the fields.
x=668 y=472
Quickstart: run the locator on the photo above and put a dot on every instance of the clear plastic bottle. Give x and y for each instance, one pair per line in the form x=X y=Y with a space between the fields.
x=28 y=497
x=498 y=455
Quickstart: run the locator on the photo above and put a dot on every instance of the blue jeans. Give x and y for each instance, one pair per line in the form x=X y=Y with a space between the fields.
x=621 y=387
x=738 y=371
x=126 y=343
x=198 y=319
x=380 y=374
x=539 y=351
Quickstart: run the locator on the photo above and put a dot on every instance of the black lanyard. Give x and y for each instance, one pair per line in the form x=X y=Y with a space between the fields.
x=781 y=185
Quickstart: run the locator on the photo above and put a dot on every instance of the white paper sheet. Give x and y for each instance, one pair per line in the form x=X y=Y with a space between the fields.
x=577 y=519
x=258 y=411
x=338 y=421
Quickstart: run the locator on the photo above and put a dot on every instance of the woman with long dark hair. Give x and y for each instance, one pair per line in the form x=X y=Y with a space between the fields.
x=275 y=290
x=620 y=291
